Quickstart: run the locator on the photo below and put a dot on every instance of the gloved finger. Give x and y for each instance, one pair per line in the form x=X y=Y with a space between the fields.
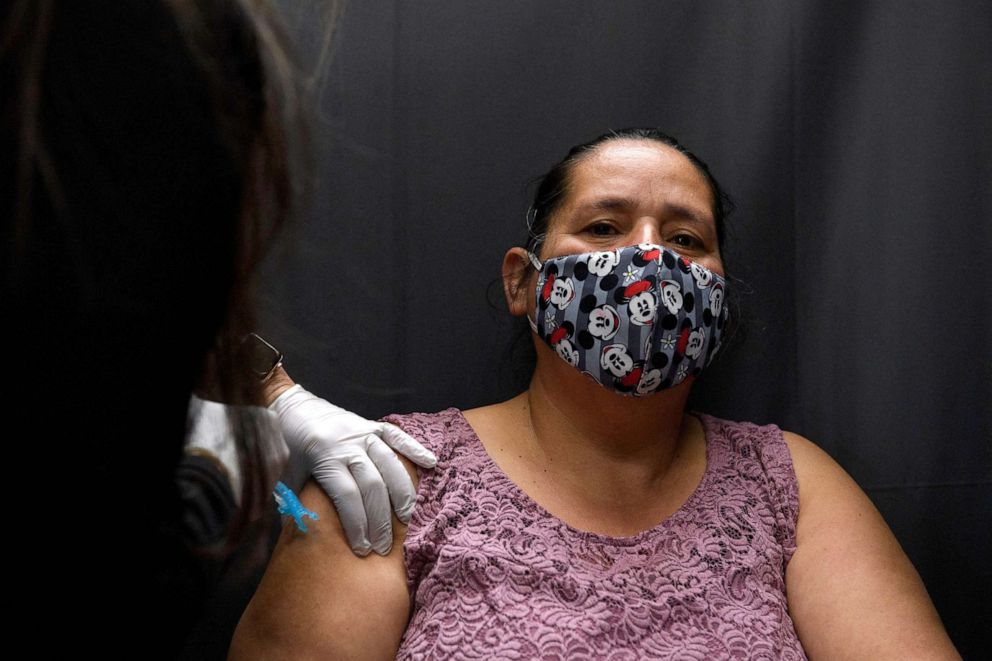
x=402 y=494
x=407 y=446
x=376 y=499
x=346 y=495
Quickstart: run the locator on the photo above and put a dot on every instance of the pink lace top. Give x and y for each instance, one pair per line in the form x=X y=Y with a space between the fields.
x=495 y=576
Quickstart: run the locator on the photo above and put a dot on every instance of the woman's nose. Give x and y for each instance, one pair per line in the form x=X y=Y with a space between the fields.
x=647 y=231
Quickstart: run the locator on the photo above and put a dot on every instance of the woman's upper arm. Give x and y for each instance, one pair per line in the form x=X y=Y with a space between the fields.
x=852 y=591
x=318 y=600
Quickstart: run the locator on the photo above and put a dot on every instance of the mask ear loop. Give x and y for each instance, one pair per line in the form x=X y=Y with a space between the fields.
x=533 y=324
x=534 y=261
x=535 y=241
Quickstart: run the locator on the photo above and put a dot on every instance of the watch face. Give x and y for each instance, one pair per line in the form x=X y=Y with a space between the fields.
x=261 y=356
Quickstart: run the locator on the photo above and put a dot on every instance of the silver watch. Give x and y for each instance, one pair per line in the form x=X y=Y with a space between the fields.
x=262 y=358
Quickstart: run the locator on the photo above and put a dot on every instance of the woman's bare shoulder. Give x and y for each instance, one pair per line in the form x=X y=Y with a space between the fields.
x=319 y=600
x=853 y=593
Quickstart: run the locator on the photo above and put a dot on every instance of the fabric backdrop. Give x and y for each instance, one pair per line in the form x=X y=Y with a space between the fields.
x=855 y=137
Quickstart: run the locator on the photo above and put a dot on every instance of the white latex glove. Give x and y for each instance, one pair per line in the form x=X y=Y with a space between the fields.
x=351 y=459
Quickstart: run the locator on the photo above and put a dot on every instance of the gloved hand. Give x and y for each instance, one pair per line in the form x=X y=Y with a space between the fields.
x=351 y=459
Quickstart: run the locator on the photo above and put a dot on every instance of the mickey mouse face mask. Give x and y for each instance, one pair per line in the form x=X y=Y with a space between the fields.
x=637 y=320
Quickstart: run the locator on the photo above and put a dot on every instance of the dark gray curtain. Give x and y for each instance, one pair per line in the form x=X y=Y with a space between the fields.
x=856 y=138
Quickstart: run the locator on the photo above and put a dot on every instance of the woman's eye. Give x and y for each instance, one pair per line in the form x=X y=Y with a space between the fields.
x=601 y=229
x=685 y=241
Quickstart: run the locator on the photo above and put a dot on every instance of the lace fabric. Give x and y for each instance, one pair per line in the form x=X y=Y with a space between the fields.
x=494 y=575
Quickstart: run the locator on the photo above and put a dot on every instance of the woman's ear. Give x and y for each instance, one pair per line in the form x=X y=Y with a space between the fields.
x=516 y=277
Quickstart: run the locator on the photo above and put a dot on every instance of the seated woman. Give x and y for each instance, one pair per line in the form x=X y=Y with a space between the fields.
x=593 y=516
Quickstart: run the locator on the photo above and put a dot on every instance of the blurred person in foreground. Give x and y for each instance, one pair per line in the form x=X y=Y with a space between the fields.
x=149 y=153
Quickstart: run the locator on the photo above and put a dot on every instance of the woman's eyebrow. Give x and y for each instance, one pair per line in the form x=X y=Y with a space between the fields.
x=686 y=213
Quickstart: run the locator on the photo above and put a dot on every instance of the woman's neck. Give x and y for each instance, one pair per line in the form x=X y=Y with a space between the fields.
x=600 y=461
x=575 y=420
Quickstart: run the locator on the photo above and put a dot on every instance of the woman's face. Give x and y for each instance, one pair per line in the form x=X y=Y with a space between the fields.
x=625 y=193
x=629 y=192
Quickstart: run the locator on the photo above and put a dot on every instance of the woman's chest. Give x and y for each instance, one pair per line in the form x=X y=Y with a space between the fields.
x=511 y=586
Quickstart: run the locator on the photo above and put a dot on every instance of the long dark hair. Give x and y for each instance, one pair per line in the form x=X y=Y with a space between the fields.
x=152 y=148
